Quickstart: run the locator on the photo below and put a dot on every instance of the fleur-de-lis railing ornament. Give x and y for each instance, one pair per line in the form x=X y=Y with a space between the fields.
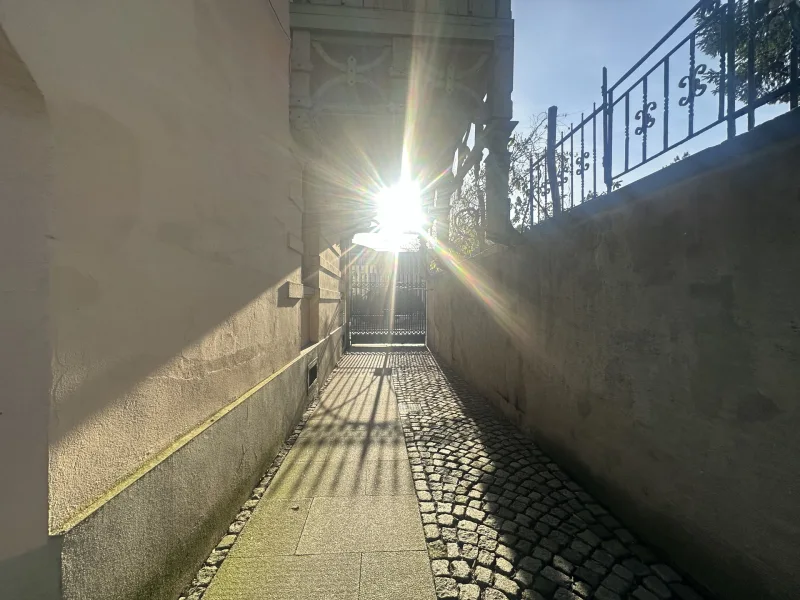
x=582 y=163
x=696 y=87
x=647 y=119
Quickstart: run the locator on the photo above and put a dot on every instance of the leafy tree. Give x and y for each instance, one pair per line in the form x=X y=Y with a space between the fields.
x=468 y=205
x=772 y=22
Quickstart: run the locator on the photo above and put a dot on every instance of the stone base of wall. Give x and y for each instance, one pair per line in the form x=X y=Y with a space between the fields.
x=149 y=537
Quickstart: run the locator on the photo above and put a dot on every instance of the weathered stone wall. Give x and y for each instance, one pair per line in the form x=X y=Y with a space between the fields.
x=651 y=341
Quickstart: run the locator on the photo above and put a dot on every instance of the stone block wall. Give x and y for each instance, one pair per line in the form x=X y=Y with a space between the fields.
x=650 y=340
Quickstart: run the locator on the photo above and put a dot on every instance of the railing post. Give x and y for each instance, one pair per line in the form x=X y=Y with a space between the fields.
x=607 y=132
x=552 y=124
x=751 y=64
x=794 y=59
x=729 y=46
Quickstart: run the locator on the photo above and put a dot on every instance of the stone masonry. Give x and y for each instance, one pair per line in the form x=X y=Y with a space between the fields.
x=501 y=520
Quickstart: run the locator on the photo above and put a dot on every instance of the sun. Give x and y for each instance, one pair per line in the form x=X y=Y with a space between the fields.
x=400 y=209
x=399 y=217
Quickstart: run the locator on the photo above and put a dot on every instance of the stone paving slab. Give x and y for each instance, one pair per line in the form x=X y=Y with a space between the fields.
x=362 y=524
x=388 y=477
x=274 y=528
x=396 y=575
x=307 y=479
x=501 y=520
x=321 y=577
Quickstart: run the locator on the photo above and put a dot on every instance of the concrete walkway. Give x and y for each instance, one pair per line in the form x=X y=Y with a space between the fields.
x=340 y=520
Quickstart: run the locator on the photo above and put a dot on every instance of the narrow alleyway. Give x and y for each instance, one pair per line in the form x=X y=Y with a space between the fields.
x=399 y=457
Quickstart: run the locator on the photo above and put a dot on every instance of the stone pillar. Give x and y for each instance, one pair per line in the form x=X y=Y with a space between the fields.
x=300 y=87
x=344 y=266
x=312 y=203
x=498 y=134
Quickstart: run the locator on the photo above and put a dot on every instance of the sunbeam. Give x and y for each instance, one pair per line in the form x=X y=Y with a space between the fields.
x=500 y=305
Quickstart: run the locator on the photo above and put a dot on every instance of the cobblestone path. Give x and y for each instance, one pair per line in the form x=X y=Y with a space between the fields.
x=501 y=520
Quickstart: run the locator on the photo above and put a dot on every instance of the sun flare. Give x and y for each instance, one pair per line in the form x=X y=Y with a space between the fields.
x=400 y=209
x=399 y=216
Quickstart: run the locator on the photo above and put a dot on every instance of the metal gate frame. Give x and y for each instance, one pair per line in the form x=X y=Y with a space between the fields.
x=387 y=298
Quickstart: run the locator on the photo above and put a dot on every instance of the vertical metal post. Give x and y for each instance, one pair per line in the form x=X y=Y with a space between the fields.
x=645 y=119
x=666 y=103
x=692 y=82
x=546 y=193
x=530 y=190
x=730 y=49
x=552 y=124
x=751 y=65
x=563 y=171
x=594 y=150
x=627 y=129
x=608 y=126
x=583 y=161
x=723 y=77
x=794 y=76
x=571 y=165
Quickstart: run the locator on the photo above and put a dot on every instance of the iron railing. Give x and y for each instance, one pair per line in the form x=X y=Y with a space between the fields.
x=756 y=47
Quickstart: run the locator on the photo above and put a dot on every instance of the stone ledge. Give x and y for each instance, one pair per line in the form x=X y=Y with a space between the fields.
x=330 y=295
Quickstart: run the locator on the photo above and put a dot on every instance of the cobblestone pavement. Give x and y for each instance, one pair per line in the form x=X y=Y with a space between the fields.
x=501 y=520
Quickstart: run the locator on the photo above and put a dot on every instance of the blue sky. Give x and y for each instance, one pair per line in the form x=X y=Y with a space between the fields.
x=562 y=46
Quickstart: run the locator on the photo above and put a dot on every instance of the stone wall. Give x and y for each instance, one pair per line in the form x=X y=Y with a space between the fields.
x=651 y=341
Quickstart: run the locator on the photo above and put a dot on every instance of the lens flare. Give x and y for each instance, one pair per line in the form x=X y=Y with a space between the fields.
x=399 y=216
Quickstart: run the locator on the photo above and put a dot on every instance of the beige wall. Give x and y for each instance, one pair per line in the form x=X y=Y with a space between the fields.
x=172 y=166
x=651 y=342
x=26 y=146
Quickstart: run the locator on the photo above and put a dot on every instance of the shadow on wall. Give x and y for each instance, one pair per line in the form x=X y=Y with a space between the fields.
x=166 y=255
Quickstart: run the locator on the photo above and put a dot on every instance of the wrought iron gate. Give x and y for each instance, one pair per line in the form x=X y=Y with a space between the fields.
x=387 y=298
